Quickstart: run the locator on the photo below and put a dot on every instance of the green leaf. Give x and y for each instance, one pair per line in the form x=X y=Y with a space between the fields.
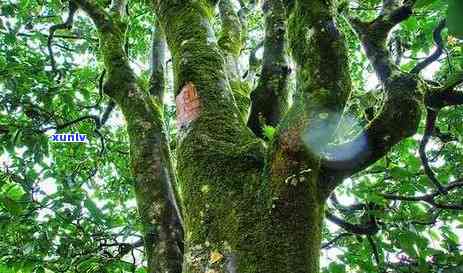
x=399 y=172
x=39 y=269
x=269 y=132
x=455 y=18
x=337 y=268
x=423 y=3
x=94 y=210
x=14 y=192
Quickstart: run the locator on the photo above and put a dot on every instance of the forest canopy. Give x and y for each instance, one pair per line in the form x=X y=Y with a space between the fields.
x=219 y=133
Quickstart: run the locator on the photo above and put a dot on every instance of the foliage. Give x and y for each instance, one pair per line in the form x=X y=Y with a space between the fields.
x=71 y=207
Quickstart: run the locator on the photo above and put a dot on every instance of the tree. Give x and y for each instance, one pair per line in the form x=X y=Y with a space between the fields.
x=246 y=177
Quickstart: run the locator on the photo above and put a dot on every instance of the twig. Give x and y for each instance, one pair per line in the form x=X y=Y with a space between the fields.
x=335 y=239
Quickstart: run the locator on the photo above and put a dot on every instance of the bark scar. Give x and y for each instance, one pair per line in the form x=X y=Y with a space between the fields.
x=188 y=105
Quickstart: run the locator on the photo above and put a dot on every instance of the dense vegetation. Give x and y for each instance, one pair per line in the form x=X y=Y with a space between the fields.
x=323 y=124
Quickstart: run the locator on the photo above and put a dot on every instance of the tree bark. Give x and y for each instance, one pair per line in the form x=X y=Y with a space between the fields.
x=250 y=206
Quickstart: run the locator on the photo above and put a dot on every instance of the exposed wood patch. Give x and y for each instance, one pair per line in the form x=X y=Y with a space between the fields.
x=188 y=105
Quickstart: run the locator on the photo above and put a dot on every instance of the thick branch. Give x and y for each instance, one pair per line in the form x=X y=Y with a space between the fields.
x=374 y=34
x=399 y=118
x=158 y=48
x=448 y=95
x=231 y=42
x=270 y=98
x=98 y=15
x=230 y=39
x=400 y=115
x=149 y=147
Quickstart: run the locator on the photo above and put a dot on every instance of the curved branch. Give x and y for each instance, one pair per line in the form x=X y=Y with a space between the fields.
x=398 y=119
x=437 y=36
x=368 y=229
x=429 y=130
x=335 y=239
x=374 y=34
x=70 y=123
x=431 y=197
x=66 y=25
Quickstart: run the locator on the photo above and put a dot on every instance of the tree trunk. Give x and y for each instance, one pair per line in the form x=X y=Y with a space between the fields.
x=238 y=215
x=248 y=206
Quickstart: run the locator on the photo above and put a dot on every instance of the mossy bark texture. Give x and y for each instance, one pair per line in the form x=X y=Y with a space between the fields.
x=248 y=206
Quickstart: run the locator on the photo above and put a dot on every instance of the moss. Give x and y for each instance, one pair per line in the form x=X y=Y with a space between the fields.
x=241 y=92
x=218 y=193
x=270 y=97
x=230 y=40
x=228 y=202
x=318 y=48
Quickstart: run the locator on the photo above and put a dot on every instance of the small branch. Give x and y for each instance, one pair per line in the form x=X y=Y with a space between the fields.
x=117 y=7
x=454 y=82
x=63 y=36
x=429 y=130
x=107 y=113
x=368 y=229
x=437 y=36
x=349 y=209
x=374 y=247
x=253 y=63
x=158 y=50
x=431 y=221
x=70 y=123
x=335 y=240
x=430 y=198
x=66 y=25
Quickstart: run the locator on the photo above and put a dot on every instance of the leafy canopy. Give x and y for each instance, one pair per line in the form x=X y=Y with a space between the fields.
x=71 y=207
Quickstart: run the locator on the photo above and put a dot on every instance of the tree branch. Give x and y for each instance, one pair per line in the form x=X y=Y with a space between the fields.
x=398 y=119
x=374 y=34
x=99 y=17
x=400 y=114
x=269 y=101
x=66 y=25
x=431 y=197
x=368 y=229
x=437 y=36
x=70 y=123
x=374 y=247
x=439 y=97
x=428 y=132
x=158 y=49
x=335 y=239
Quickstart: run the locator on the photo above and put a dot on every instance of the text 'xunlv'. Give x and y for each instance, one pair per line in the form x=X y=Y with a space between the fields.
x=68 y=137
